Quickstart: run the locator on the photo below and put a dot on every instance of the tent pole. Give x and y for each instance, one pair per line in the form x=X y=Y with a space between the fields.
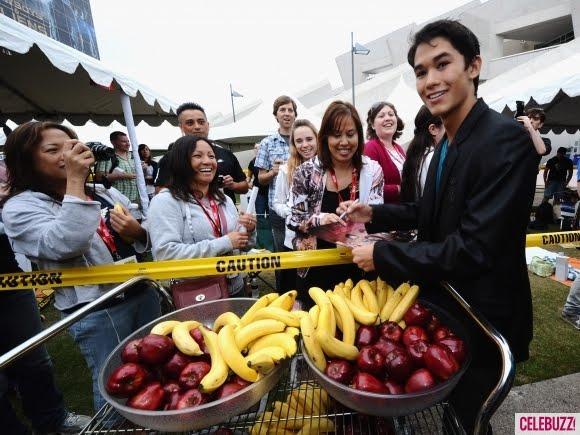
x=128 y=113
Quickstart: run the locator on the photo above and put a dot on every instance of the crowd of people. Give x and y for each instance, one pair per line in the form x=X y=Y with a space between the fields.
x=465 y=184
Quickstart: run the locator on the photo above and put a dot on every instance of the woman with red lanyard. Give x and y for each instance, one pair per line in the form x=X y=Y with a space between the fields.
x=340 y=172
x=57 y=222
x=383 y=127
x=193 y=218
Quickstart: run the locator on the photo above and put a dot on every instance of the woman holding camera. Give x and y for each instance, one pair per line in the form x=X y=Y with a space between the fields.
x=52 y=218
x=193 y=218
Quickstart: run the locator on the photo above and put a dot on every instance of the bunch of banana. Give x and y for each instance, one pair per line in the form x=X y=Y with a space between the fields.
x=301 y=413
x=179 y=332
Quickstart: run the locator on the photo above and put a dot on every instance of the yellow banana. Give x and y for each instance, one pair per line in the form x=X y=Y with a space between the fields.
x=369 y=296
x=291 y=418
x=264 y=301
x=402 y=324
x=258 y=328
x=392 y=302
x=406 y=302
x=281 y=339
x=356 y=297
x=232 y=355
x=227 y=318
x=314 y=313
x=318 y=296
x=361 y=315
x=348 y=284
x=299 y=313
x=277 y=314
x=373 y=285
x=262 y=425
x=346 y=318
x=292 y=330
x=307 y=400
x=165 y=328
x=261 y=362
x=338 y=319
x=118 y=208
x=311 y=343
x=183 y=341
x=316 y=425
x=381 y=295
x=335 y=348
x=326 y=320
x=219 y=369
x=277 y=353
x=285 y=301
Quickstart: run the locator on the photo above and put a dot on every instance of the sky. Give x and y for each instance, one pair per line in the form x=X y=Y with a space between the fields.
x=193 y=50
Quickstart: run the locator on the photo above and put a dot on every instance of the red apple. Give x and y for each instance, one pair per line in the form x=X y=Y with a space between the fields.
x=417 y=349
x=149 y=398
x=456 y=346
x=198 y=337
x=365 y=336
x=222 y=431
x=193 y=373
x=367 y=382
x=413 y=333
x=399 y=365
x=433 y=324
x=340 y=370
x=419 y=380
x=227 y=390
x=171 y=387
x=371 y=360
x=236 y=379
x=126 y=380
x=442 y=332
x=393 y=387
x=440 y=361
x=156 y=349
x=172 y=400
x=417 y=315
x=176 y=364
x=130 y=352
x=385 y=346
x=391 y=331
x=191 y=399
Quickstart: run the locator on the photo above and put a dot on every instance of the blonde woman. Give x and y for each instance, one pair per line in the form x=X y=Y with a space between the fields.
x=303 y=147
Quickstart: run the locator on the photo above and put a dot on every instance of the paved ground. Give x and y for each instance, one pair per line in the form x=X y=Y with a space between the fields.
x=554 y=395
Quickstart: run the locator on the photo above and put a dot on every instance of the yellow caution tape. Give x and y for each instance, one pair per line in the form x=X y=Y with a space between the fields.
x=174 y=269
x=210 y=266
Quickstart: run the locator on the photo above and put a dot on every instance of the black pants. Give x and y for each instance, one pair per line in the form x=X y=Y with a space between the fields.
x=32 y=374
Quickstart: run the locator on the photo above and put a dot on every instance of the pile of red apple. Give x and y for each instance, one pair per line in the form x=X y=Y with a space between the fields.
x=396 y=361
x=156 y=376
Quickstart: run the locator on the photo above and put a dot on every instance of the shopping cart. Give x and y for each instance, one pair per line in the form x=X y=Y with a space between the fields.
x=482 y=389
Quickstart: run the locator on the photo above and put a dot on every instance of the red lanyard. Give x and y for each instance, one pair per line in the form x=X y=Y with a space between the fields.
x=216 y=222
x=107 y=237
x=353 y=185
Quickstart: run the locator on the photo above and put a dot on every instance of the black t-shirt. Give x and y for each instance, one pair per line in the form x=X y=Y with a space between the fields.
x=228 y=164
x=262 y=190
x=559 y=168
x=548 y=144
x=8 y=263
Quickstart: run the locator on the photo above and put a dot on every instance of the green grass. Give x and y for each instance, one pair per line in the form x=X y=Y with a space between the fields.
x=554 y=350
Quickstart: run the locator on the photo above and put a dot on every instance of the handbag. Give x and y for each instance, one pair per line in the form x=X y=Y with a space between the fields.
x=190 y=291
x=542 y=267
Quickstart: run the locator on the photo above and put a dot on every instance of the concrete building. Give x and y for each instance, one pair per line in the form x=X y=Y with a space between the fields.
x=510 y=32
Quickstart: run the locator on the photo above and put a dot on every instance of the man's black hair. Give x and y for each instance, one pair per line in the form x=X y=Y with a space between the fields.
x=189 y=106
x=562 y=150
x=459 y=36
x=114 y=135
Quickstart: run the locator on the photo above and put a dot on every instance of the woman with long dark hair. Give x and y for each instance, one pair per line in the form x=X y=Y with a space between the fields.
x=58 y=221
x=193 y=218
x=150 y=167
x=429 y=130
x=384 y=127
x=338 y=173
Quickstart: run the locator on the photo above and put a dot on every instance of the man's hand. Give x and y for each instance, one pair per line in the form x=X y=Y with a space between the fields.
x=527 y=123
x=362 y=256
x=126 y=225
x=228 y=182
x=356 y=212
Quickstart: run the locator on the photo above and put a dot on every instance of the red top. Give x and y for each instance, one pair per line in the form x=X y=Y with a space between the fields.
x=375 y=150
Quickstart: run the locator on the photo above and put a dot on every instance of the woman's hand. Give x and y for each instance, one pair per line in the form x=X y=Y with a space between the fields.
x=248 y=221
x=239 y=240
x=330 y=218
x=78 y=159
x=356 y=212
x=126 y=225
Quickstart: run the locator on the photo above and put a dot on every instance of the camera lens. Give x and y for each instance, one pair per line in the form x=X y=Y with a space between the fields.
x=101 y=151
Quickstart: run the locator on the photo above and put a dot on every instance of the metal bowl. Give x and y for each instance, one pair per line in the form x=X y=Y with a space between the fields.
x=205 y=415
x=394 y=405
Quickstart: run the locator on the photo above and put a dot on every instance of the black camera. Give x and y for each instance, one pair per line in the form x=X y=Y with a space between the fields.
x=101 y=151
x=220 y=180
x=519 y=109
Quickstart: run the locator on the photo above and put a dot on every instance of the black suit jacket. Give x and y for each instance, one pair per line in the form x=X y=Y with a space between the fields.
x=472 y=230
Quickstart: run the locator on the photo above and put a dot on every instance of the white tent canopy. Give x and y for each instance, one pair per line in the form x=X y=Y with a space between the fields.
x=257 y=125
x=551 y=80
x=42 y=78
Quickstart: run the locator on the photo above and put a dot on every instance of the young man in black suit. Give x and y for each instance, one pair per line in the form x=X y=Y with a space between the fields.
x=476 y=205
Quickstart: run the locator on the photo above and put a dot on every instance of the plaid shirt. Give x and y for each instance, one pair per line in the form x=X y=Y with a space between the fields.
x=272 y=148
x=126 y=187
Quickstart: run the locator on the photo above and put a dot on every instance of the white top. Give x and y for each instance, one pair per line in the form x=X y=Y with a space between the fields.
x=282 y=202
